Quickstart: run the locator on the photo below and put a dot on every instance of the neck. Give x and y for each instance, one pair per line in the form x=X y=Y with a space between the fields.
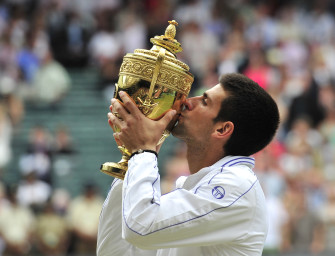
x=199 y=157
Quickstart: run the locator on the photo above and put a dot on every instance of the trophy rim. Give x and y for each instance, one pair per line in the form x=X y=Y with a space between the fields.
x=144 y=52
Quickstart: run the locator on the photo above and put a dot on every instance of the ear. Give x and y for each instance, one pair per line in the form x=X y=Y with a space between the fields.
x=223 y=130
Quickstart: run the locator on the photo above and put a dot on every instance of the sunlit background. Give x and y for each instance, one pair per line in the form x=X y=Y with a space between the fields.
x=59 y=61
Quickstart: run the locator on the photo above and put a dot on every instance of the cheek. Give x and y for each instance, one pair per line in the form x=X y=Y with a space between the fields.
x=204 y=126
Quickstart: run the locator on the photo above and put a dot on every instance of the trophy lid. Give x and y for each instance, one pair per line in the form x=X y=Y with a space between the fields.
x=168 y=41
x=158 y=65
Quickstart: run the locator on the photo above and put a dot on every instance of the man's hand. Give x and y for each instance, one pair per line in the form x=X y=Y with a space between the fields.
x=136 y=131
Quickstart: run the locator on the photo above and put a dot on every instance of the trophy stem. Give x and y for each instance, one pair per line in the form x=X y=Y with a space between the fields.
x=165 y=134
x=117 y=170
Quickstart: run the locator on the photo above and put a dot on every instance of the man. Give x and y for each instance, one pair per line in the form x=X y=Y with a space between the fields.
x=220 y=208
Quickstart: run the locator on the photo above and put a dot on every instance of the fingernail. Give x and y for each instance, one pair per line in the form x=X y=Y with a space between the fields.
x=121 y=93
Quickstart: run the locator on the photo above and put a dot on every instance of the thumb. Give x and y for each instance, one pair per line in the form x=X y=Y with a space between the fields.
x=168 y=117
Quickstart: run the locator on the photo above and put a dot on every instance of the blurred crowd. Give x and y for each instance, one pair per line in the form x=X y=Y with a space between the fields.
x=288 y=47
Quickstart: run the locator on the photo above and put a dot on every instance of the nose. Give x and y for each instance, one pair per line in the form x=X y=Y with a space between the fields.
x=188 y=105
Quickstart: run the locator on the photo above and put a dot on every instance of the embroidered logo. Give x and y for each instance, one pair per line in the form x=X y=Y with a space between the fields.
x=218 y=192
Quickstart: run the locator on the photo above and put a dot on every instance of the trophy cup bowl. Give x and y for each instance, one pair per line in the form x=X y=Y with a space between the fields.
x=157 y=82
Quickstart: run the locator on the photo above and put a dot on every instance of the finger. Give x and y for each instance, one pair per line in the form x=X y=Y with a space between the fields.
x=168 y=117
x=118 y=107
x=114 y=120
x=117 y=139
x=129 y=103
x=111 y=108
x=110 y=124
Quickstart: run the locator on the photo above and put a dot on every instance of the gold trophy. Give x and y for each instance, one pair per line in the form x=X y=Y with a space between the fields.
x=157 y=81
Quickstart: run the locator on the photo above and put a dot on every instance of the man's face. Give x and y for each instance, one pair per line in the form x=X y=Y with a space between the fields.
x=196 y=120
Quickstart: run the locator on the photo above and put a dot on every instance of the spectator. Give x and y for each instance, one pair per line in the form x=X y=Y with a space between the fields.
x=16 y=227
x=33 y=193
x=7 y=50
x=63 y=141
x=306 y=104
x=233 y=55
x=38 y=154
x=6 y=131
x=60 y=200
x=63 y=152
x=83 y=217
x=4 y=204
x=327 y=129
x=134 y=34
x=193 y=11
x=51 y=232
x=56 y=29
x=15 y=108
x=304 y=230
x=258 y=70
x=304 y=136
x=51 y=82
x=27 y=59
x=278 y=219
x=105 y=49
x=77 y=37
x=193 y=35
x=327 y=215
x=175 y=167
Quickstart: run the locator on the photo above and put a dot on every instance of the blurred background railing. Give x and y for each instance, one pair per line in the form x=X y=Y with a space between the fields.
x=59 y=61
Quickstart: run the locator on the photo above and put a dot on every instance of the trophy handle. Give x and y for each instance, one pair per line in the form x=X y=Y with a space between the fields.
x=158 y=65
x=148 y=104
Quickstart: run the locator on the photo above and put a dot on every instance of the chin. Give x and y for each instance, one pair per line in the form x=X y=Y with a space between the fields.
x=175 y=130
x=178 y=131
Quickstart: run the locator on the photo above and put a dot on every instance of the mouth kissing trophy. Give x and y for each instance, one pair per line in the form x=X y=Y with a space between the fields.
x=157 y=81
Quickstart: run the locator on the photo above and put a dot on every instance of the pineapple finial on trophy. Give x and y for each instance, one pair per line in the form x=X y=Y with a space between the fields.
x=170 y=31
x=168 y=40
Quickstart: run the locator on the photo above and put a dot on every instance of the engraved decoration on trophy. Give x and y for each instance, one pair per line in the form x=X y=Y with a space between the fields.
x=157 y=81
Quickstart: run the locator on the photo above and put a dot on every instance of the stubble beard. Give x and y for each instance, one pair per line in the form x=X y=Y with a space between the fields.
x=176 y=130
x=179 y=131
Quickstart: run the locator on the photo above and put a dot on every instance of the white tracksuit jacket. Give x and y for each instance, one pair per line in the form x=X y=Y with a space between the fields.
x=219 y=210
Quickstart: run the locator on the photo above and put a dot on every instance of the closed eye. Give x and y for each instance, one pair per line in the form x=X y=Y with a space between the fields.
x=204 y=99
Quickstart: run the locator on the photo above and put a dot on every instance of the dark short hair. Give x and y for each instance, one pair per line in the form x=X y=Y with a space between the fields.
x=253 y=112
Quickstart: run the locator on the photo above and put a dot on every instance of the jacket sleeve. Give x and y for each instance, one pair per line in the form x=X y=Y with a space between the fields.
x=182 y=217
x=109 y=240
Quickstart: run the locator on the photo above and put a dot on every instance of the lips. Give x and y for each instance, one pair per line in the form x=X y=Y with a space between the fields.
x=179 y=117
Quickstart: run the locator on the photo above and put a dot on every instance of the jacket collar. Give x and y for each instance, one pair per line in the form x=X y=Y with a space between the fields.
x=192 y=180
x=228 y=161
